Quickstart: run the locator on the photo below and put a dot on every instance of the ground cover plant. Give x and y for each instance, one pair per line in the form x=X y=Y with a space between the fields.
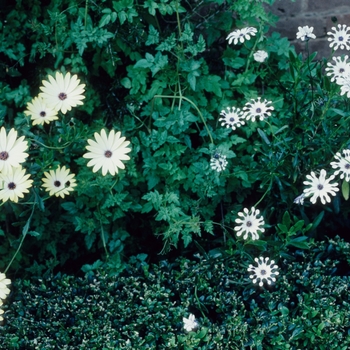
x=168 y=129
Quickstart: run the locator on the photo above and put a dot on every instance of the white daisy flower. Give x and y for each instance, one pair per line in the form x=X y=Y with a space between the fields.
x=62 y=92
x=344 y=83
x=190 y=323
x=14 y=184
x=260 y=56
x=11 y=150
x=107 y=152
x=4 y=290
x=218 y=162
x=343 y=165
x=59 y=182
x=233 y=118
x=340 y=37
x=320 y=187
x=300 y=199
x=265 y=271
x=249 y=223
x=305 y=33
x=340 y=69
x=257 y=109
x=39 y=111
x=1 y=312
x=241 y=35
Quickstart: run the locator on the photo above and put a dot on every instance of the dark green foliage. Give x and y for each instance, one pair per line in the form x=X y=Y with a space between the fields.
x=143 y=307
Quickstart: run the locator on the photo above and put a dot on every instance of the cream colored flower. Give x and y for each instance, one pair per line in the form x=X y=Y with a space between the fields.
x=265 y=271
x=62 y=93
x=4 y=290
x=40 y=112
x=14 y=184
x=11 y=150
x=107 y=152
x=1 y=312
x=190 y=323
x=249 y=223
x=59 y=182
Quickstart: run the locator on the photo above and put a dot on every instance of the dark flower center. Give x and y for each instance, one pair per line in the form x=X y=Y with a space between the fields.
x=4 y=155
x=232 y=119
x=249 y=224
x=67 y=184
x=57 y=183
x=11 y=186
x=341 y=70
x=340 y=38
x=62 y=96
x=263 y=272
x=258 y=110
x=320 y=187
x=347 y=166
x=108 y=154
x=42 y=114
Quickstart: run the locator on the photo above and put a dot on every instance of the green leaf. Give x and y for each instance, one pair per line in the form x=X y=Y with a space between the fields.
x=151 y=6
x=318 y=220
x=286 y=219
x=264 y=137
x=211 y=83
x=153 y=36
x=345 y=189
x=299 y=242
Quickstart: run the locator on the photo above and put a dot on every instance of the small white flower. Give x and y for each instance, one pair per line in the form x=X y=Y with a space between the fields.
x=4 y=290
x=260 y=56
x=190 y=323
x=218 y=162
x=233 y=118
x=340 y=69
x=340 y=38
x=320 y=187
x=241 y=35
x=305 y=33
x=264 y=272
x=300 y=199
x=257 y=109
x=344 y=83
x=343 y=164
x=250 y=223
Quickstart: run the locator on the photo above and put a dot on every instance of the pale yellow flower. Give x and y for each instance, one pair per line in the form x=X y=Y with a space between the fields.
x=40 y=112
x=14 y=184
x=62 y=93
x=107 y=152
x=4 y=290
x=59 y=182
x=11 y=150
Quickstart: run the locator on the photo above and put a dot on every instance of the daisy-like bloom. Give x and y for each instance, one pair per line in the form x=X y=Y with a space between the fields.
x=320 y=187
x=342 y=164
x=59 y=182
x=4 y=290
x=266 y=271
x=249 y=223
x=11 y=150
x=39 y=111
x=340 y=69
x=14 y=184
x=63 y=92
x=260 y=56
x=218 y=162
x=233 y=118
x=340 y=37
x=305 y=33
x=257 y=109
x=107 y=152
x=241 y=35
x=344 y=83
x=300 y=199
x=190 y=323
x=1 y=312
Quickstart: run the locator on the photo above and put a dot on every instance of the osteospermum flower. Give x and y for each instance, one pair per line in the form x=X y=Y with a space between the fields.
x=1 y=312
x=260 y=56
x=59 y=182
x=340 y=69
x=14 y=184
x=344 y=83
x=232 y=118
x=257 y=109
x=11 y=150
x=40 y=112
x=241 y=35
x=218 y=162
x=342 y=164
x=107 y=152
x=299 y=199
x=305 y=33
x=62 y=92
x=320 y=187
x=4 y=290
x=249 y=223
x=340 y=37
x=190 y=323
x=266 y=271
